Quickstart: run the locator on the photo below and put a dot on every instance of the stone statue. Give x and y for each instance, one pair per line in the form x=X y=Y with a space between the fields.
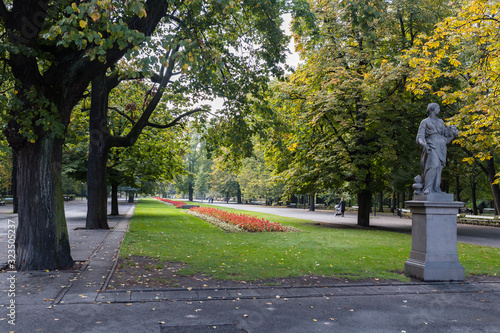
x=433 y=136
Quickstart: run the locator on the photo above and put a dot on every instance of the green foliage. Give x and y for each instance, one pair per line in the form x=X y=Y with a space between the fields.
x=344 y=116
x=464 y=47
x=256 y=180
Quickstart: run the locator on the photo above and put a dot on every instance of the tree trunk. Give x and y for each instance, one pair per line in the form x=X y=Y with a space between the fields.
x=131 y=196
x=381 y=202
x=312 y=207
x=457 y=188
x=114 y=200
x=473 y=194
x=238 y=194
x=495 y=189
x=15 y=202
x=364 y=205
x=42 y=235
x=97 y=204
x=190 y=190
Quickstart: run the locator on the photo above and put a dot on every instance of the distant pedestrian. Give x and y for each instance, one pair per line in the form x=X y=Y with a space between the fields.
x=342 y=206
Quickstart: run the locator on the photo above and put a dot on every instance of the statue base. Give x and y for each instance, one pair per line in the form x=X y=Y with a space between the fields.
x=434 y=254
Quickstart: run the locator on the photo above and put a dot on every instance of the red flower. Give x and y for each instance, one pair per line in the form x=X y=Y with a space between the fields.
x=249 y=223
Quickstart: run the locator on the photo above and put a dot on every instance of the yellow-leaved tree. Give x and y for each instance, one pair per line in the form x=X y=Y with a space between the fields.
x=466 y=48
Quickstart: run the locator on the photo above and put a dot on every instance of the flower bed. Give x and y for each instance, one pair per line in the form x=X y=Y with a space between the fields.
x=241 y=221
x=177 y=204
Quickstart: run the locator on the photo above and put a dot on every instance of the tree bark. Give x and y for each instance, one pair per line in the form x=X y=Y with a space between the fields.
x=238 y=193
x=495 y=189
x=473 y=184
x=42 y=236
x=457 y=188
x=15 y=202
x=190 y=190
x=114 y=200
x=97 y=204
x=312 y=207
x=381 y=201
x=364 y=206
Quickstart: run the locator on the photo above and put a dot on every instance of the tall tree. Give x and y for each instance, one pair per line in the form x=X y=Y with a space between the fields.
x=466 y=47
x=345 y=111
x=55 y=50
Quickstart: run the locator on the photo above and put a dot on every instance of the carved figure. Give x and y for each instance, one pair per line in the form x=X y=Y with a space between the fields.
x=433 y=136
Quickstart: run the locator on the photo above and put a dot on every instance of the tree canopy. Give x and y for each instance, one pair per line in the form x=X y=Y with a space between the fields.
x=344 y=115
x=466 y=48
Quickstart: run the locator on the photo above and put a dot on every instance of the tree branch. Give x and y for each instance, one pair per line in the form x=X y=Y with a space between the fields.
x=123 y=114
x=176 y=120
x=133 y=135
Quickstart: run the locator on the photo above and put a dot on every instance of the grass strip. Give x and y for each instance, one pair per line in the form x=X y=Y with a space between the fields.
x=171 y=235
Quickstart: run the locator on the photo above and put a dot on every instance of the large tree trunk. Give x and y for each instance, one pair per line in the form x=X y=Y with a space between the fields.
x=42 y=235
x=457 y=188
x=381 y=201
x=364 y=205
x=97 y=204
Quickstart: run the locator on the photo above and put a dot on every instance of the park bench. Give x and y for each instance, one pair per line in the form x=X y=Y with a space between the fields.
x=401 y=212
x=2 y=203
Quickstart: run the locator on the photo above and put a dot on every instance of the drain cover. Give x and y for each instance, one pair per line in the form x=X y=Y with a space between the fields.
x=226 y=328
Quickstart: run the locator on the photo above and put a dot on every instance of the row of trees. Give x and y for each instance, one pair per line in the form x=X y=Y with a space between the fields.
x=53 y=52
x=82 y=81
x=348 y=117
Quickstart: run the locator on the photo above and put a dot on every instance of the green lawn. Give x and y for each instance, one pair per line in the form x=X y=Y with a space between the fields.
x=171 y=235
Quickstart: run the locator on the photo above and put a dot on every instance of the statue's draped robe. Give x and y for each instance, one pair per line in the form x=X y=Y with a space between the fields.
x=433 y=160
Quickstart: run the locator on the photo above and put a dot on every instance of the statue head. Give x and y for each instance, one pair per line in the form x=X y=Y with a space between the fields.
x=433 y=108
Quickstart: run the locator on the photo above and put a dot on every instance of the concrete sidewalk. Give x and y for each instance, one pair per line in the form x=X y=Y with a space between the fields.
x=75 y=300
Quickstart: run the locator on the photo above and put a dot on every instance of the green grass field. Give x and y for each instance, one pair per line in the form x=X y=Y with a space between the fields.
x=172 y=235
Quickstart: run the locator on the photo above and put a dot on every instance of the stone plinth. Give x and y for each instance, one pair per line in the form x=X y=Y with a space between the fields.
x=434 y=254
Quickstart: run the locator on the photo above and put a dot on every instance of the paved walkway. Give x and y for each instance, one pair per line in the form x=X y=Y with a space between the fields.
x=75 y=300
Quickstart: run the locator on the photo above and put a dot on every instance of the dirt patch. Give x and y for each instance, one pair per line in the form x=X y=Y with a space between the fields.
x=137 y=272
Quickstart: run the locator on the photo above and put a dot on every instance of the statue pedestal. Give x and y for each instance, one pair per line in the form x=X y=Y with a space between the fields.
x=434 y=256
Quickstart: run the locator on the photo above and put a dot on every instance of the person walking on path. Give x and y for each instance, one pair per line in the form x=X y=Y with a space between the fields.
x=342 y=206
